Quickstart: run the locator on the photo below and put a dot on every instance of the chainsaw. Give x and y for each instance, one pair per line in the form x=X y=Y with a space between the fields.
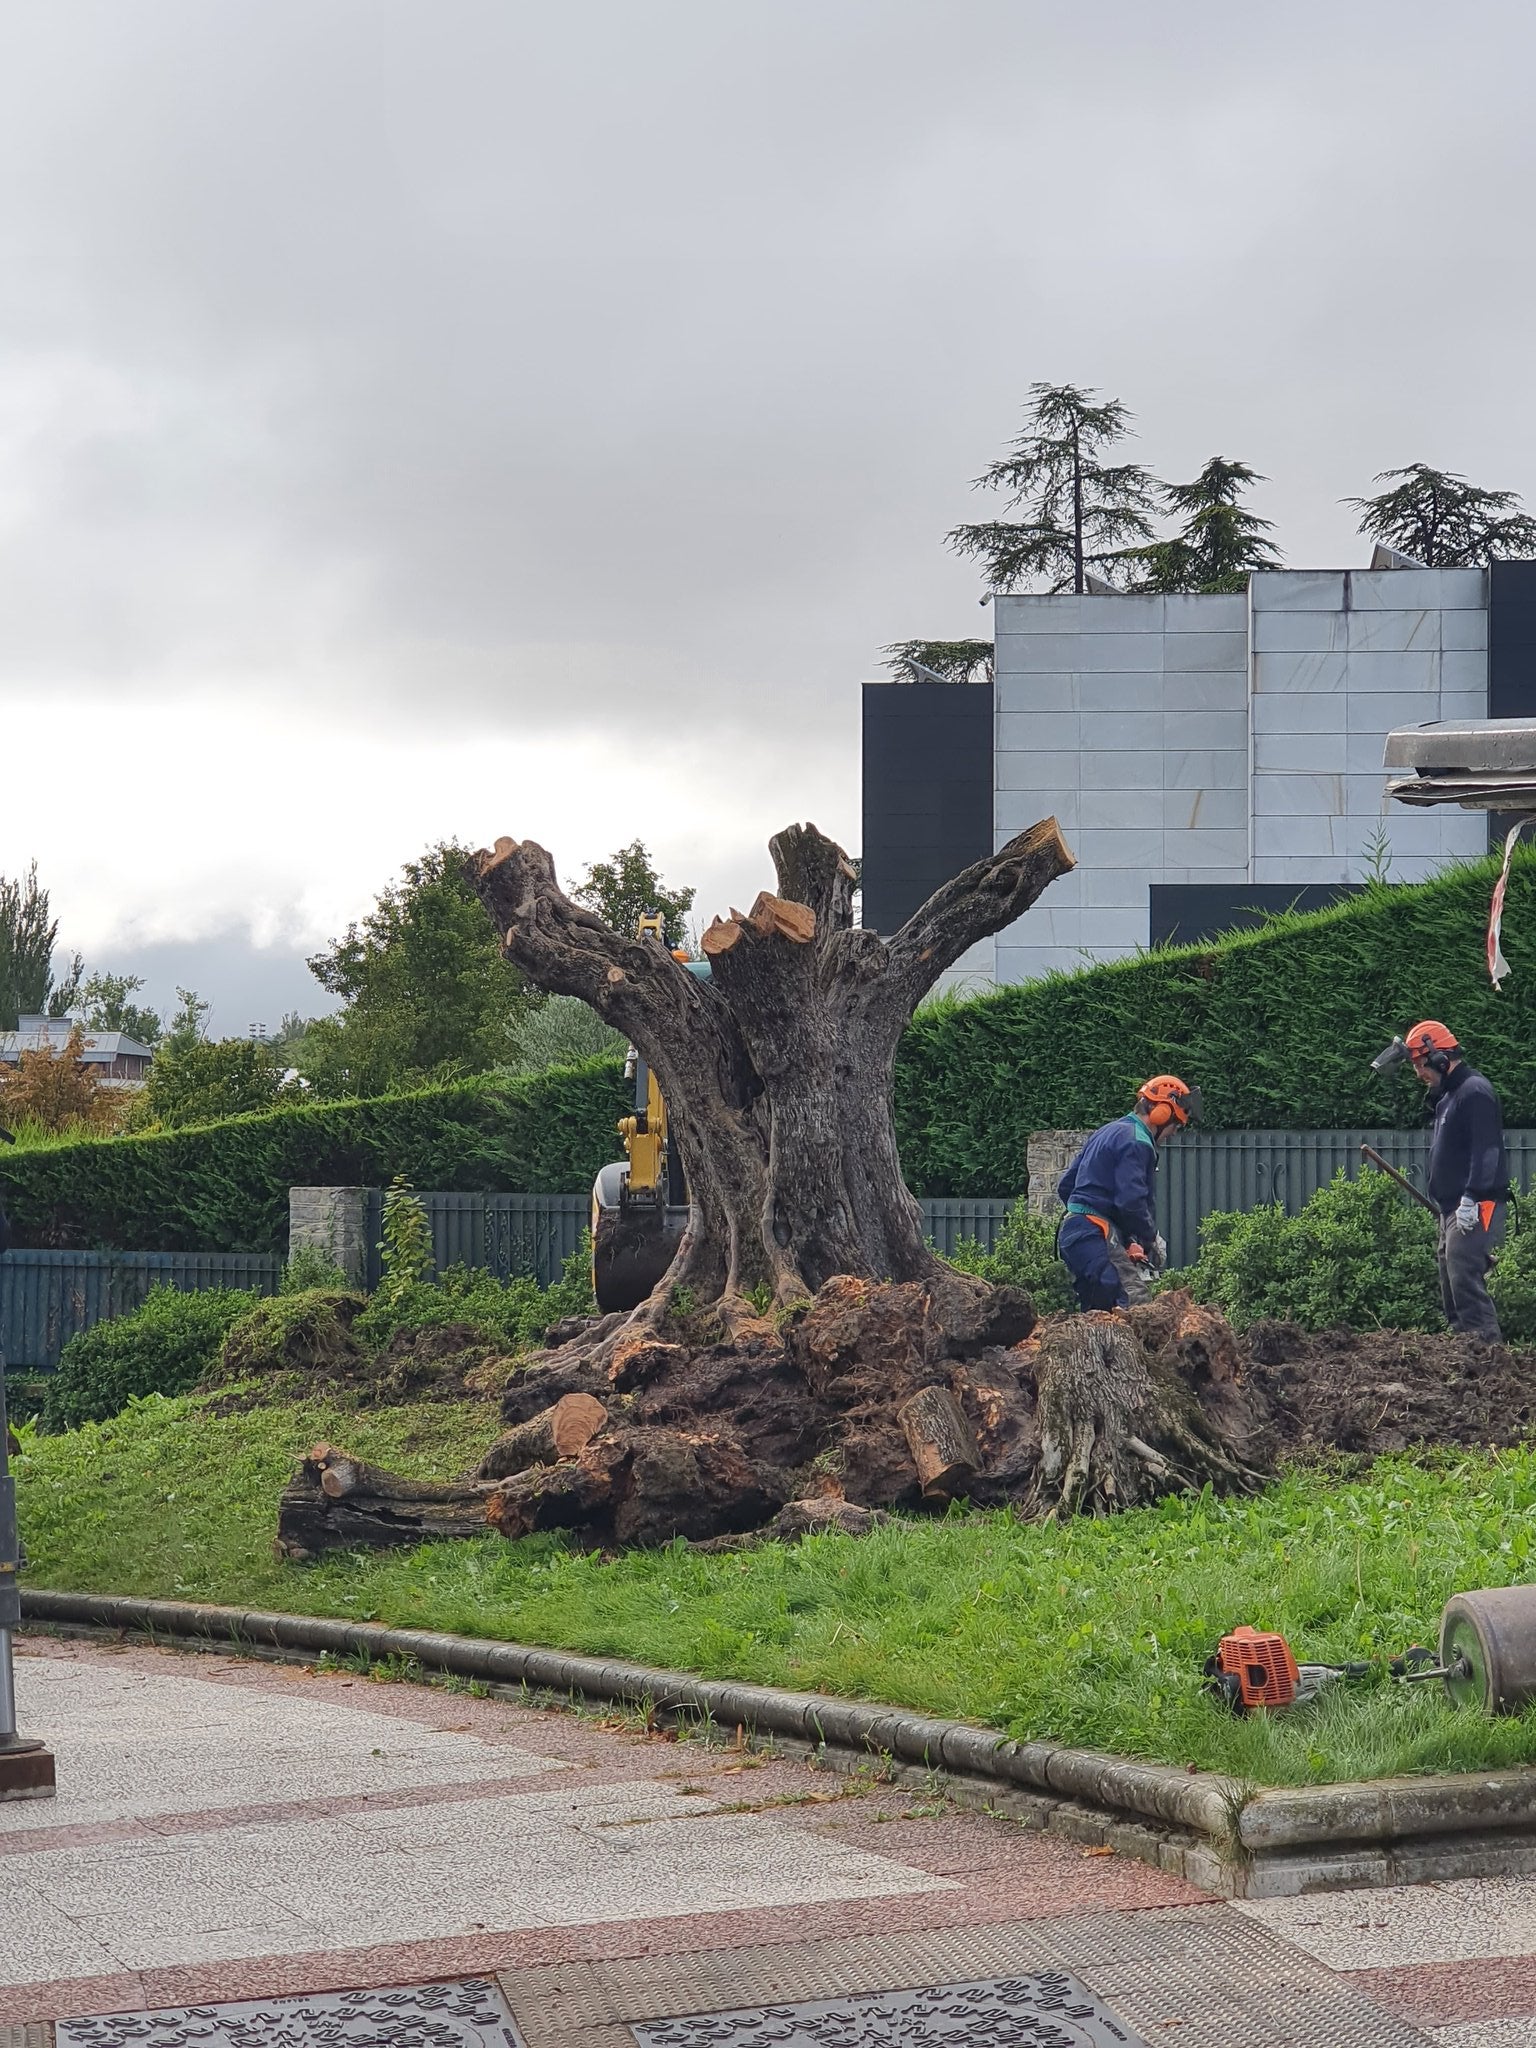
x=1255 y=1669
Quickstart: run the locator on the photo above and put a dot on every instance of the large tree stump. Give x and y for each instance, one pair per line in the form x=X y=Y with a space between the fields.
x=777 y=1072
x=1119 y=1425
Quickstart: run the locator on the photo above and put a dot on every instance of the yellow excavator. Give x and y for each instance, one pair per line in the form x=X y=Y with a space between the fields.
x=640 y=1202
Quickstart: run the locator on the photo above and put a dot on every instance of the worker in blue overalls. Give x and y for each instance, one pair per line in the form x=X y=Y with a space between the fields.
x=1109 y=1240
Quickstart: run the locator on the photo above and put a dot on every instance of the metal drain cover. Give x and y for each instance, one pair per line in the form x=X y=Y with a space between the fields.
x=1051 y=2010
x=470 y=2014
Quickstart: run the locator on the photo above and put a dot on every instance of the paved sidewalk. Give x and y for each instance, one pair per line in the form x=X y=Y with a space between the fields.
x=229 y=1830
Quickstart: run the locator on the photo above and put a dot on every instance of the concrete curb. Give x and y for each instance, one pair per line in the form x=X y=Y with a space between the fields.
x=1217 y=1833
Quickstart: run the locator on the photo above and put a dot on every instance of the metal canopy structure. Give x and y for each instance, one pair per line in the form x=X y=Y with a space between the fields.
x=1482 y=765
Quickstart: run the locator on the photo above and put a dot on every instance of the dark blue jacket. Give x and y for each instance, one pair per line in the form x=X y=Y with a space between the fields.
x=1466 y=1147
x=1114 y=1175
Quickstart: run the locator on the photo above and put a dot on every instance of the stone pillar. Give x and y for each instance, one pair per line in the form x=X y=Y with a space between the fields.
x=334 y=1221
x=1048 y=1155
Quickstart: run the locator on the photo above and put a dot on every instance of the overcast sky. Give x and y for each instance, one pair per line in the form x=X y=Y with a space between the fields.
x=466 y=416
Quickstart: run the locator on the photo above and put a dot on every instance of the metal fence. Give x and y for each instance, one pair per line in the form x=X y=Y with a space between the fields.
x=1210 y=1170
x=48 y=1297
x=508 y=1234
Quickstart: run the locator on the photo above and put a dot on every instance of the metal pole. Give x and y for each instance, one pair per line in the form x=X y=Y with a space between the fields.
x=10 y=1590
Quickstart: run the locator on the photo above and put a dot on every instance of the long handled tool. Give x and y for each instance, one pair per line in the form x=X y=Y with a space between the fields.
x=1418 y=1195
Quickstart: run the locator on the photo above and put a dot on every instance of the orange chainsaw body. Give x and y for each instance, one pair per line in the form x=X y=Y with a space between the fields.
x=1262 y=1665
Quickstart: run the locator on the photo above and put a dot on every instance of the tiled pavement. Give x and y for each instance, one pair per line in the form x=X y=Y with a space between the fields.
x=229 y=1830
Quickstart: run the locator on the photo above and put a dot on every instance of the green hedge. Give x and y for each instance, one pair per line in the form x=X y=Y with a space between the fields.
x=224 y=1187
x=1278 y=1026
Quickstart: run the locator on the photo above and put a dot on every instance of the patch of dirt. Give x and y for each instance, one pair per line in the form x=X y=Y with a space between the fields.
x=1374 y=1392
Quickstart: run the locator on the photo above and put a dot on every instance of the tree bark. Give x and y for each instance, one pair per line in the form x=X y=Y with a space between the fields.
x=1120 y=1424
x=778 y=1071
x=337 y=1502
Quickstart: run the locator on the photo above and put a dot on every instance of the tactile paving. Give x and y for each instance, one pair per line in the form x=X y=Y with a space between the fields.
x=1049 y=2011
x=468 y=2014
x=1204 y=1976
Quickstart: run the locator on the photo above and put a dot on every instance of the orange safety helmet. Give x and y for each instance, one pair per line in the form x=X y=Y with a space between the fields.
x=1168 y=1100
x=1432 y=1042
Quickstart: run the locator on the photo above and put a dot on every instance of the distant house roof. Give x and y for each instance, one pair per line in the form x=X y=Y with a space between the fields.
x=98 y=1047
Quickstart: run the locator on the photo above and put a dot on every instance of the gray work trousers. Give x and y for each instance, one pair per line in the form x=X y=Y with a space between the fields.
x=1133 y=1274
x=1464 y=1258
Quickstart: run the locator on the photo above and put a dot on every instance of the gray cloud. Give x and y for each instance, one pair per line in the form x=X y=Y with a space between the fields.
x=618 y=369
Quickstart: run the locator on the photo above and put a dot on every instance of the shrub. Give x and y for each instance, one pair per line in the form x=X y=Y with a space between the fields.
x=1513 y=1285
x=309 y=1268
x=210 y=1079
x=163 y=1347
x=1357 y=1253
x=225 y=1187
x=512 y=1314
x=1023 y=1256
x=405 y=1251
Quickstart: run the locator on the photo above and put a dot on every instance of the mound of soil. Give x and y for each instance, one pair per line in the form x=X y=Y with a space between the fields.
x=894 y=1397
x=304 y=1344
x=1373 y=1392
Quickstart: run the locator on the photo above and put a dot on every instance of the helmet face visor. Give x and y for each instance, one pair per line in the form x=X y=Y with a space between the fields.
x=1192 y=1105
x=1392 y=1056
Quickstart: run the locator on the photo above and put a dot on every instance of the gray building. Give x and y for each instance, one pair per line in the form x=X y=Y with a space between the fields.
x=1209 y=758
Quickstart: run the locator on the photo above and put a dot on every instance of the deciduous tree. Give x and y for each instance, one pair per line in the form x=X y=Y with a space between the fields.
x=626 y=888
x=427 y=994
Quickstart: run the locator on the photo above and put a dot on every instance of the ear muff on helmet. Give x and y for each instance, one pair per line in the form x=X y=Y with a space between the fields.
x=1433 y=1043
x=1166 y=1100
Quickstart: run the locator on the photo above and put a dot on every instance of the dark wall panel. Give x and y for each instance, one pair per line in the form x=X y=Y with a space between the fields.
x=1512 y=640
x=1183 y=913
x=927 y=791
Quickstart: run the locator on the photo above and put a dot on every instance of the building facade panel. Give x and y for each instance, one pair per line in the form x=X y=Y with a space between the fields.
x=1204 y=743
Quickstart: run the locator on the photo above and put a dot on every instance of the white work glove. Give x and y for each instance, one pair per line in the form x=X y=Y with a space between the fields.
x=1159 y=1254
x=1466 y=1215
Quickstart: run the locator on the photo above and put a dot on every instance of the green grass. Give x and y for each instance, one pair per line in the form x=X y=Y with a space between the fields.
x=1090 y=1633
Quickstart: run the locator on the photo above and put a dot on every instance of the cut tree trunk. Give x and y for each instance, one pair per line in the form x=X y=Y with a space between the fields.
x=941 y=1441
x=558 y=1432
x=777 y=1071
x=337 y=1502
x=1120 y=1424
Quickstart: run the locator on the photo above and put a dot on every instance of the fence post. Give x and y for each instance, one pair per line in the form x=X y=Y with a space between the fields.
x=333 y=1221
x=1047 y=1156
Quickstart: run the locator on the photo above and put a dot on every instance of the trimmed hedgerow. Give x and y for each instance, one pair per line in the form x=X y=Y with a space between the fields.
x=1278 y=1026
x=224 y=1187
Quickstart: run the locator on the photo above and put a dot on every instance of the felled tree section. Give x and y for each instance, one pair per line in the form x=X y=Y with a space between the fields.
x=872 y=1397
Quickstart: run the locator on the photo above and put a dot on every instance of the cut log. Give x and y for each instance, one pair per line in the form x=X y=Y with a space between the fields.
x=337 y=1502
x=941 y=1442
x=773 y=914
x=558 y=1432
